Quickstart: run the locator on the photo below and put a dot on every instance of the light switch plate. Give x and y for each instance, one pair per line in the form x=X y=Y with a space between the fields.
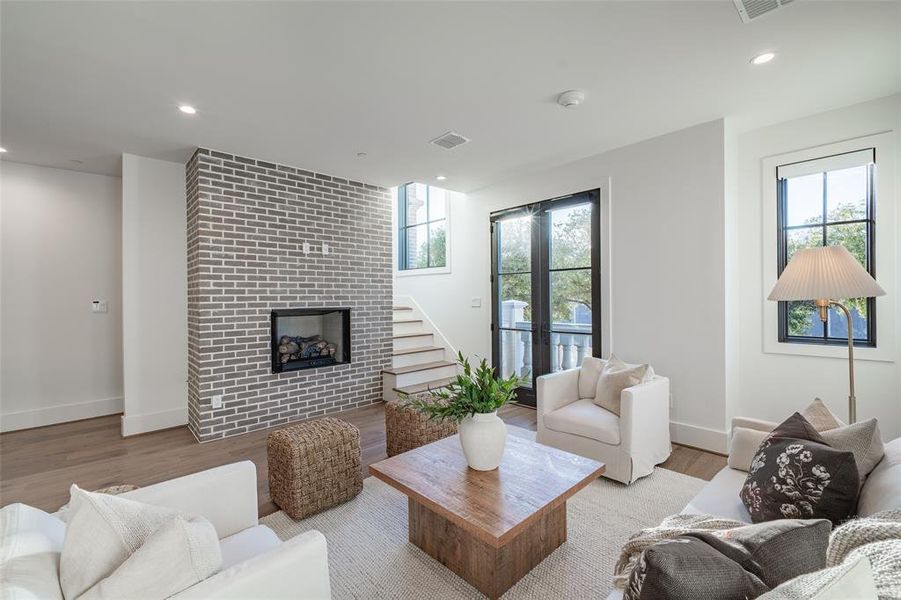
x=99 y=306
x=476 y=303
x=325 y=249
x=217 y=401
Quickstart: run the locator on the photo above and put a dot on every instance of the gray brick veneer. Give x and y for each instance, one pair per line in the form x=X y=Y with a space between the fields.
x=247 y=221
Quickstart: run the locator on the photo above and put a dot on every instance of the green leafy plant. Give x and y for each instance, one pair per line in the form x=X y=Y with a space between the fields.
x=473 y=391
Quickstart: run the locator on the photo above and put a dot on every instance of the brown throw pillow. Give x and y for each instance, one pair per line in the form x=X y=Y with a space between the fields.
x=733 y=563
x=796 y=475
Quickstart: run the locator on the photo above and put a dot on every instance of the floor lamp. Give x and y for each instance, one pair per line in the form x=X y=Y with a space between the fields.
x=823 y=274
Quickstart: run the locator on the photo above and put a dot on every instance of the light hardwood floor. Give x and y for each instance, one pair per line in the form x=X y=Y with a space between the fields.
x=38 y=465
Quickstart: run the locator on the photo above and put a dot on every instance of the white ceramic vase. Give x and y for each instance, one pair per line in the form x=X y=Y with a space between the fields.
x=483 y=436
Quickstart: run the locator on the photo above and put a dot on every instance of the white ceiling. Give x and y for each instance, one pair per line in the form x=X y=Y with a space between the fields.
x=313 y=84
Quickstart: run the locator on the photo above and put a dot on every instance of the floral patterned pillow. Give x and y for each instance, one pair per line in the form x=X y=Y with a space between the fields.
x=796 y=475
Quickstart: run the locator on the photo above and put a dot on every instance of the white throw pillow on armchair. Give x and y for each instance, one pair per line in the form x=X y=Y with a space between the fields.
x=616 y=377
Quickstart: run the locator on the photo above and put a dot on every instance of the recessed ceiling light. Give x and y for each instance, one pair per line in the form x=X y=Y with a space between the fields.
x=2 y=150
x=362 y=155
x=441 y=177
x=571 y=98
x=187 y=109
x=762 y=59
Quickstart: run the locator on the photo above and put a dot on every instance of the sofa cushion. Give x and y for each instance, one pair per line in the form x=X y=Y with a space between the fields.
x=819 y=415
x=796 y=475
x=588 y=376
x=585 y=418
x=30 y=545
x=863 y=440
x=616 y=377
x=882 y=489
x=104 y=531
x=247 y=544
x=853 y=579
x=720 y=497
x=743 y=447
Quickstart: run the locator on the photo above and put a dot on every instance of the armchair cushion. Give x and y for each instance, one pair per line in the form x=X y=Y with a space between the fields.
x=586 y=419
x=588 y=376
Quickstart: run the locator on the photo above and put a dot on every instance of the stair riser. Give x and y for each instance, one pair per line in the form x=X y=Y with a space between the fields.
x=405 y=360
x=426 y=339
x=405 y=328
x=405 y=379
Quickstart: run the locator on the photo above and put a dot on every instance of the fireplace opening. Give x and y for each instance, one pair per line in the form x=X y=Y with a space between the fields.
x=306 y=338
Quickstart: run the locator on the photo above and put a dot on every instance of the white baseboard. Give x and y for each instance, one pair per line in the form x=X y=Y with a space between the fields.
x=699 y=437
x=164 y=419
x=62 y=413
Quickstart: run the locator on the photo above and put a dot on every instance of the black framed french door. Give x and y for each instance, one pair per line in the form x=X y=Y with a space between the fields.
x=545 y=287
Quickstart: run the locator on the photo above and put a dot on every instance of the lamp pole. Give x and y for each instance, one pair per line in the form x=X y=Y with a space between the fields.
x=823 y=306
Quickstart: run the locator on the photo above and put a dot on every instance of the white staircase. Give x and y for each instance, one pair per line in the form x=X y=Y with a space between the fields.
x=418 y=362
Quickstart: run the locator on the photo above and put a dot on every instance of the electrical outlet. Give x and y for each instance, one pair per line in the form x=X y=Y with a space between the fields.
x=476 y=303
x=670 y=400
x=217 y=401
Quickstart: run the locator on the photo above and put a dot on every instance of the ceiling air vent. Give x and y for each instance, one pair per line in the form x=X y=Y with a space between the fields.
x=450 y=140
x=751 y=9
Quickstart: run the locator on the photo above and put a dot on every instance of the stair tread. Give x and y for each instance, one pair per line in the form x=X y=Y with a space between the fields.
x=424 y=387
x=407 y=321
x=409 y=335
x=414 y=368
x=415 y=350
x=402 y=308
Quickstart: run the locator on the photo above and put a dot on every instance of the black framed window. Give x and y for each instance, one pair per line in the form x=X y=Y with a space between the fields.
x=824 y=202
x=422 y=227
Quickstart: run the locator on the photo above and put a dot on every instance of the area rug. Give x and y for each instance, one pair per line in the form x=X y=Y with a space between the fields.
x=370 y=557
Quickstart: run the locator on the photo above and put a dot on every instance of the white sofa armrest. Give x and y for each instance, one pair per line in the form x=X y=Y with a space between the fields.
x=756 y=424
x=226 y=496
x=644 y=420
x=298 y=569
x=556 y=390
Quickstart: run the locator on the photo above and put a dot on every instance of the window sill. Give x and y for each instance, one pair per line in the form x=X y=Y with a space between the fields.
x=415 y=272
x=878 y=354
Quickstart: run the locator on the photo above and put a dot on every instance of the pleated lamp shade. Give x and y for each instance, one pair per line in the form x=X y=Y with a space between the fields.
x=829 y=272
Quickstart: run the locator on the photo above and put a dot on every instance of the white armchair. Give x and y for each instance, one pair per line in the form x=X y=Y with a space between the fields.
x=630 y=444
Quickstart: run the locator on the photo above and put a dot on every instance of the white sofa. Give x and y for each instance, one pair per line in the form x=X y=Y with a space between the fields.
x=631 y=444
x=255 y=563
x=720 y=496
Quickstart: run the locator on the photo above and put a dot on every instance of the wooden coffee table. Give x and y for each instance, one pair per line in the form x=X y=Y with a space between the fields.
x=488 y=527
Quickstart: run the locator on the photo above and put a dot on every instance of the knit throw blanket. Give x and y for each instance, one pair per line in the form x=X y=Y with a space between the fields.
x=670 y=527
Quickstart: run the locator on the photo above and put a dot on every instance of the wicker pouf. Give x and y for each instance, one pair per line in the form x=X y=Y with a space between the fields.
x=407 y=428
x=314 y=466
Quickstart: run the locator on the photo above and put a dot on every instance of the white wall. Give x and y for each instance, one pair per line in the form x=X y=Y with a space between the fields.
x=668 y=282
x=774 y=384
x=61 y=249
x=154 y=294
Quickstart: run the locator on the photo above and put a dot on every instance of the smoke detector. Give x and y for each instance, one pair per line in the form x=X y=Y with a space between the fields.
x=450 y=140
x=571 y=98
x=751 y=9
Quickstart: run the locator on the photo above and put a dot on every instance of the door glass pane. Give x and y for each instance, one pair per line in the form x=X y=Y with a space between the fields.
x=516 y=354
x=568 y=350
x=571 y=300
x=515 y=298
x=846 y=195
x=515 y=244
x=804 y=200
x=417 y=247
x=417 y=209
x=437 y=244
x=571 y=237
x=807 y=237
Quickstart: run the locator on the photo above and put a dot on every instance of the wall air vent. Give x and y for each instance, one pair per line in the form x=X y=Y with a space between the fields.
x=751 y=9
x=450 y=140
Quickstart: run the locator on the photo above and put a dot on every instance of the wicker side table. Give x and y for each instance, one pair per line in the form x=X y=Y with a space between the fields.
x=407 y=428
x=314 y=466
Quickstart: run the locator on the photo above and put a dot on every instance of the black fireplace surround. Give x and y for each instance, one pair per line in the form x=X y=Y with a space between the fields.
x=307 y=338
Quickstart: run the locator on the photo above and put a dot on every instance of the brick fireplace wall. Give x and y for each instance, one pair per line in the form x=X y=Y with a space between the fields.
x=247 y=222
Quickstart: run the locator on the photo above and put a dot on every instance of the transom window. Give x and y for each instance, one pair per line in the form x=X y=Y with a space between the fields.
x=422 y=227
x=824 y=202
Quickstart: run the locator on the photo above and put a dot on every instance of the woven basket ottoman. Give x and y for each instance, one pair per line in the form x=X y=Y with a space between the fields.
x=314 y=466
x=407 y=428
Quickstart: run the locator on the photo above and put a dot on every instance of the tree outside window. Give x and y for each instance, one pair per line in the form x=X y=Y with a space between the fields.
x=422 y=232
